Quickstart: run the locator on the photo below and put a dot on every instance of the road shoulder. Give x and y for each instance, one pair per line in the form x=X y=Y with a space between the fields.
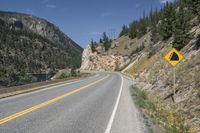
x=128 y=118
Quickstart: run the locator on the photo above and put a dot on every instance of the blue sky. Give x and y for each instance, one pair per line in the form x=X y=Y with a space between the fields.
x=82 y=20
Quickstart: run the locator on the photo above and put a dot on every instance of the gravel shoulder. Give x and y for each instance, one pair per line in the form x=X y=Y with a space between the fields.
x=128 y=118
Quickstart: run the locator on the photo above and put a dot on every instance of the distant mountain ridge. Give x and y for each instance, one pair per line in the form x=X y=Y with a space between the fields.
x=37 y=25
x=29 y=44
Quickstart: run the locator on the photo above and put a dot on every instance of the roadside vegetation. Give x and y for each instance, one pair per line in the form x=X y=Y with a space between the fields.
x=69 y=74
x=171 y=120
x=62 y=77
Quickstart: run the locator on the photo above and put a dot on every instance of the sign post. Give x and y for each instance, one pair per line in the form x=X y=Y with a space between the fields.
x=174 y=57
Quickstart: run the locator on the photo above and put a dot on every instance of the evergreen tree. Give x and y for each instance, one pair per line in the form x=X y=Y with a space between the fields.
x=133 y=29
x=92 y=45
x=155 y=37
x=125 y=31
x=142 y=28
x=182 y=28
x=166 y=28
x=100 y=40
x=106 y=41
x=194 y=6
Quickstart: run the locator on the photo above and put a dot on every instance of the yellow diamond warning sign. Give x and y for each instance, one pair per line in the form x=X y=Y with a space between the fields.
x=174 y=57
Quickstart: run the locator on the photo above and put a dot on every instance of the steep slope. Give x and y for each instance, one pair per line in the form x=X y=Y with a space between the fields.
x=154 y=75
x=31 y=45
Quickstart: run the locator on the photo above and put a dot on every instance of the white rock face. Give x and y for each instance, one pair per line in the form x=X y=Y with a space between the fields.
x=93 y=61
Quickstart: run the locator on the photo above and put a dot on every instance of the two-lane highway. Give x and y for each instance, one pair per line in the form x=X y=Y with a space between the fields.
x=86 y=106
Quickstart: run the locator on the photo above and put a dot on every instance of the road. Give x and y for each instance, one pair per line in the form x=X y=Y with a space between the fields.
x=98 y=104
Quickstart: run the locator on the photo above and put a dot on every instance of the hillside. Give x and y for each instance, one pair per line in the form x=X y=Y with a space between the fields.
x=143 y=44
x=30 y=45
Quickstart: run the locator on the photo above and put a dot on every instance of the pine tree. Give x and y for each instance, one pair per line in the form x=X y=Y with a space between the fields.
x=166 y=28
x=92 y=45
x=125 y=31
x=133 y=29
x=142 y=28
x=182 y=27
x=194 y=6
x=155 y=37
x=100 y=40
x=106 y=41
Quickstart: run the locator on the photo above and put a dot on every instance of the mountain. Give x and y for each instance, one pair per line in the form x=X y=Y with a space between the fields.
x=30 y=45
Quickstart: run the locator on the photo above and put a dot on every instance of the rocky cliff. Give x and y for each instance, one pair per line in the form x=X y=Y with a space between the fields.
x=30 y=45
x=94 y=61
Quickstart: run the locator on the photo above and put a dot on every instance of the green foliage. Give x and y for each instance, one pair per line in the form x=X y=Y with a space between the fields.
x=25 y=53
x=93 y=46
x=126 y=47
x=141 y=98
x=182 y=28
x=138 y=28
x=133 y=29
x=100 y=40
x=69 y=74
x=106 y=41
x=173 y=20
x=155 y=36
x=166 y=28
x=73 y=72
x=172 y=121
x=194 y=6
x=125 y=31
x=64 y=75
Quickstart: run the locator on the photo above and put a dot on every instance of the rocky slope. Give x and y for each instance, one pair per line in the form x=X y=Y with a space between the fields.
x=123 y=51
x=30 y=45
x=154 y=75
x=100 y=62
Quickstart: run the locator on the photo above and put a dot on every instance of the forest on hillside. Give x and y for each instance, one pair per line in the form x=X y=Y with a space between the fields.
x=25 y=54
x=175 y=19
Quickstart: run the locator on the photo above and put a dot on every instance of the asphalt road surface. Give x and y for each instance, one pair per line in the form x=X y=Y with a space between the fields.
x=98 y=104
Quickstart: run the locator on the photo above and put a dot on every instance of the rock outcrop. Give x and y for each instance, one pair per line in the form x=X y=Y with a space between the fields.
x=94 y=61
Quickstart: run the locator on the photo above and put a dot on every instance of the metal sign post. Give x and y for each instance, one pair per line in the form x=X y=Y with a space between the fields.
x=174 y=57
x=174 y=84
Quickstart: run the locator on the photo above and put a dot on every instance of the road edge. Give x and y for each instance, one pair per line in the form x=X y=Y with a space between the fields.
x=109 y=125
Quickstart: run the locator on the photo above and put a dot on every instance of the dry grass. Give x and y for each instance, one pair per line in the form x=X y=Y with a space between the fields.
x=172 y=121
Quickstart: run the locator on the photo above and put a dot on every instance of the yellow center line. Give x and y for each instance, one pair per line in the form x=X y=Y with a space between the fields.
x=36 y=107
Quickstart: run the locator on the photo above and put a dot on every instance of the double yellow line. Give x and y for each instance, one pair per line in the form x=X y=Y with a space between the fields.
x=36 y=107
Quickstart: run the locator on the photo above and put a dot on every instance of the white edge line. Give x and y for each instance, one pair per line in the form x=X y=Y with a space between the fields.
x=44 y=89
x=109 y=126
